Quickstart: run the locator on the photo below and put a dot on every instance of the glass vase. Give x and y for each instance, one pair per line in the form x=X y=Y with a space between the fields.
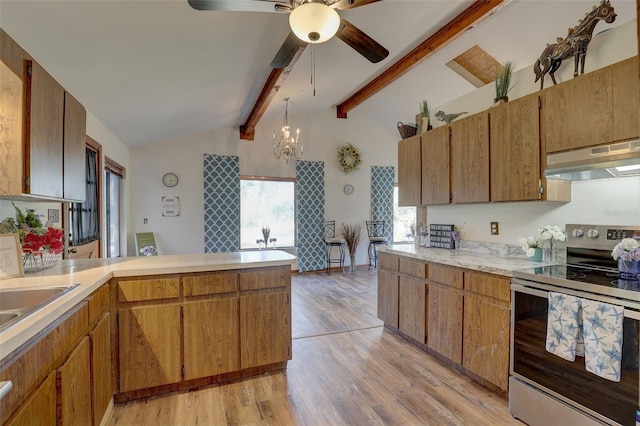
x=537 y=255
x=629 y=269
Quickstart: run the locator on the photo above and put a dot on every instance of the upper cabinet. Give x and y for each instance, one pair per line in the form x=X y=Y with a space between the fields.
x=44 y=131
x=515 y=150
x=435 y=166
x=409 y=171
x=470 y=159
x=594 y=109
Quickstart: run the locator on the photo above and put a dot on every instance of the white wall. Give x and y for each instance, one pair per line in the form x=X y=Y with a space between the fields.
x=322 y=134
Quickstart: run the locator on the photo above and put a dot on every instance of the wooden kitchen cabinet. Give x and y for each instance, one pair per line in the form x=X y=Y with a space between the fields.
x=515 y=150
x=436 y=167
x=149 y=346
x=409 y=171
x=578 y=113
x=487 y=327
x=101 y=390
x=211 y=337
x=626 y=102
x=265 y=316
x=74 y=154
x=470 y=159
x=40 y=407
x=388 y=302
x=445 y=311
x=412 y=308
x=74 y=387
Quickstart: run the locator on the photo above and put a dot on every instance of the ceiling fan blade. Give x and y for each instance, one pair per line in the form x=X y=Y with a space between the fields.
x=350 y=4
x=360 y=42
x=240 y=5
x=291 y=47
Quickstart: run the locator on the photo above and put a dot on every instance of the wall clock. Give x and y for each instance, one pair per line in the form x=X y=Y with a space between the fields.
x=170 y=180
x=348 y=189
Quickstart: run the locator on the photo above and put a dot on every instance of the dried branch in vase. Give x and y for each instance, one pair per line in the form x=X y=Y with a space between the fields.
x=351 y=234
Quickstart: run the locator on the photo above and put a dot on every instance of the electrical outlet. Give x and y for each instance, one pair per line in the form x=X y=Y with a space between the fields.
x=494 y=228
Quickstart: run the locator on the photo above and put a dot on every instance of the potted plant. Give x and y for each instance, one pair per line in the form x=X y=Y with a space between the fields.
x=503 y=83
x=425 y=117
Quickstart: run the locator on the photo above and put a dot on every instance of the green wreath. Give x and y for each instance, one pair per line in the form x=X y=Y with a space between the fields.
x=349 y=158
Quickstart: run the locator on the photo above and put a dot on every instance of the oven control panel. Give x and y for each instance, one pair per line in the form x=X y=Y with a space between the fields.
x=603 y=237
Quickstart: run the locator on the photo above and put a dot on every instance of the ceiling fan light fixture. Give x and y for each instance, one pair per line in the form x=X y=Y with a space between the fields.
x=314 y=22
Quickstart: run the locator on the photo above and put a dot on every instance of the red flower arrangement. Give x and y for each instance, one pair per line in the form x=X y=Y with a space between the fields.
x=50 y=241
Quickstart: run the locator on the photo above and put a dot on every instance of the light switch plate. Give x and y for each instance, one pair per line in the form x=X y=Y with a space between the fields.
x=494 y=228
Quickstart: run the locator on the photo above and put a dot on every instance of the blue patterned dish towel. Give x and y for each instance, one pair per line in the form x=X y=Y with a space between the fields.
x=586 y=328
x=564 y=326
x=602 y=324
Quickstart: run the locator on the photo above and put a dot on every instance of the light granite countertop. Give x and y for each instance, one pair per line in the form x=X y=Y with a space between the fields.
x=90 y=274
x=485 y=258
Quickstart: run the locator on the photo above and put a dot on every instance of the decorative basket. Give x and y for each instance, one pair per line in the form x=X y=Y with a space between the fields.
x=407 y=130
x=37 y=261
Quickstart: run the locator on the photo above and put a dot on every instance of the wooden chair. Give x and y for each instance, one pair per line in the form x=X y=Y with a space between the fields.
x=330 y=241
x=375 y=230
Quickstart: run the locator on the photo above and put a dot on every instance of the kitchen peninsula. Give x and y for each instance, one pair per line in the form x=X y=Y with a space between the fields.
x=454 y=304
x=136 y=327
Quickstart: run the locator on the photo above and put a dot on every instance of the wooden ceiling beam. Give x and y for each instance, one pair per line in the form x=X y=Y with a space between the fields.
x=274 y=82
x=479 y=10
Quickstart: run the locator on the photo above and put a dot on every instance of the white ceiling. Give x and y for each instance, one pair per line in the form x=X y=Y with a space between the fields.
x=153 y=70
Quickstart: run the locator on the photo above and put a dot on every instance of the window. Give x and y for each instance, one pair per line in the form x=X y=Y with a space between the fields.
x=113 y=176
x=267 y=203
x=84 y=218
x=404 y=221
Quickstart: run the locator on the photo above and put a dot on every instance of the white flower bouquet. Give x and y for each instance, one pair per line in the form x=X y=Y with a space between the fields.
x=529 y=245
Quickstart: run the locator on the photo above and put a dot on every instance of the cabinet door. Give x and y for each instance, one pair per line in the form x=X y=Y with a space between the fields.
x=486 y=340
x=578 y=113
x=265 y=329
x=409 y=175
x=388 y=298
x=211 y=337
x=445 y=321
x=75 y=126
x=74 y=387
x=101 y=368
x=45 y=106
x=412 y=312
x=40 y=408
x=515 y=150
x=11 y=131
x=470 y=159
x=149 y=346
x=626 y=87
x=436 y=188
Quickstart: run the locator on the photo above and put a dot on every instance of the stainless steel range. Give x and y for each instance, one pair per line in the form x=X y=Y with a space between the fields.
x=545 y=389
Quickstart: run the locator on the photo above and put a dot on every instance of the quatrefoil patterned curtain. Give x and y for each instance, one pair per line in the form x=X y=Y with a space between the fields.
x=310 y=215
x=221 y=203
x=382 y=179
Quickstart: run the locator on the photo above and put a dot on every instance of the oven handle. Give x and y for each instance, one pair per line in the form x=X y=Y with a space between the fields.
x=516 y=287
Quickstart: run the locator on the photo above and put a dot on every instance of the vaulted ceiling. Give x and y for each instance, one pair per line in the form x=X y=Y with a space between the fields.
x=153 y=70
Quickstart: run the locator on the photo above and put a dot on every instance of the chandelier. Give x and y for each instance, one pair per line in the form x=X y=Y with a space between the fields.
x=287 y=146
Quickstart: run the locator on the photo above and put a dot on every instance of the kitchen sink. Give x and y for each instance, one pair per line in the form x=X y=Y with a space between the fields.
x=16 y=304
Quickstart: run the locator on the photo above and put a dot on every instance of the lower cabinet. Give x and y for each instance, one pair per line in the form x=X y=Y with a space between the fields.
x=487 y=315
x=102 y=392
x=412 y=311
x=445 y=321
x=74 y=383
x=149 y=346
x=40 y=407
x=388 y=297
x=211 y=337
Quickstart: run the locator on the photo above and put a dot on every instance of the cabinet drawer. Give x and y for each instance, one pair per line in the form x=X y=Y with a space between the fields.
x=259 y=279
x=488 y=285
x=413 y=267
x=151 y=289
x=215 y=283
x=446 y=275
x=388 y=261
x=98 y=303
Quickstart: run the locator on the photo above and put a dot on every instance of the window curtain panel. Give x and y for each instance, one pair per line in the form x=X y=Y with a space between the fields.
x=85 y=223
x=310 y=215
x=221 y=203
x=382 y=179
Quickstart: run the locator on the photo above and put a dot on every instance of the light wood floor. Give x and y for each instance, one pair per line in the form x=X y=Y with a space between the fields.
x=346 y=370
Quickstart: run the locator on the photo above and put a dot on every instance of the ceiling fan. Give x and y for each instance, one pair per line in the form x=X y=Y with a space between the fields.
x=311 y=21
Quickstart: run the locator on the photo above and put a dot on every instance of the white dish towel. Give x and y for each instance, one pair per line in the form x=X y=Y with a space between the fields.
x=602 y=327
x=564 y=326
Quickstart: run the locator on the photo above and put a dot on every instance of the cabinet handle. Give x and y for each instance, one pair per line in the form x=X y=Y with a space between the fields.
x=5 y=387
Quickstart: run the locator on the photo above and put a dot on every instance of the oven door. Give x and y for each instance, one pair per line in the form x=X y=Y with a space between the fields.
x=568 y=381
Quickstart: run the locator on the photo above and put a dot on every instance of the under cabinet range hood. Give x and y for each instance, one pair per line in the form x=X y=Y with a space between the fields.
x=607 y=161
